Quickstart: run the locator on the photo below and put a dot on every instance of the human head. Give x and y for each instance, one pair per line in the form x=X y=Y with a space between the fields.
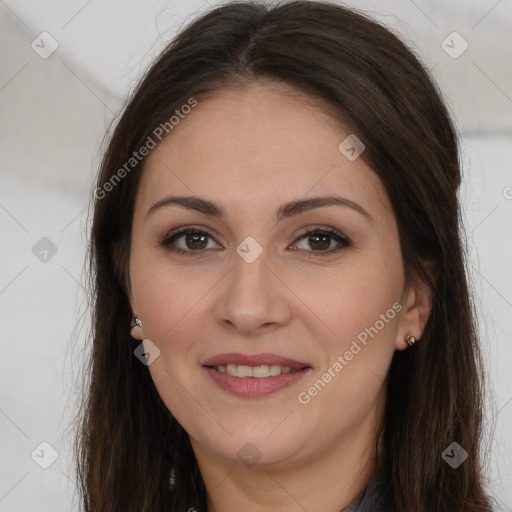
x=360 y=74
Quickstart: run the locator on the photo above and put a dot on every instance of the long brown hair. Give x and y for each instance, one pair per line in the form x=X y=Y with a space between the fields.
x=131 y=454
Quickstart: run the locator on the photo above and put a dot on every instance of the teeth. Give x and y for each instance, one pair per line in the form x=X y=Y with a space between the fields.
x=238 y=370
x=244 y=371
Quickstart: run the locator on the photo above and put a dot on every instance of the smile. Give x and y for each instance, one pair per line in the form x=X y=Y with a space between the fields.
x=265 y=370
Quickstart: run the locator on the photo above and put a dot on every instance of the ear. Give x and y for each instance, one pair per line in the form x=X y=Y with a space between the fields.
x=136 y=332
x=417 y=306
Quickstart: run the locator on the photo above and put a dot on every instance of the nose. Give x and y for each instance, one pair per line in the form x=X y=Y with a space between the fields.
x=253 y=298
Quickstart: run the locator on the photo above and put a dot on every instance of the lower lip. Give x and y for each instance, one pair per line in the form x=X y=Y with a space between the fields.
x=254 y=386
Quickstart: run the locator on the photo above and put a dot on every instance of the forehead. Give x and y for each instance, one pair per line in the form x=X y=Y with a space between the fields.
x=257 y=146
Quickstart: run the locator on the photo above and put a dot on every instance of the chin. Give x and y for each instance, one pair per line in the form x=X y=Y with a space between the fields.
x=252 y=449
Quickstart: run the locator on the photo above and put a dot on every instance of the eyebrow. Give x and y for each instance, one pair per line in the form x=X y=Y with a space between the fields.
x=287 y=210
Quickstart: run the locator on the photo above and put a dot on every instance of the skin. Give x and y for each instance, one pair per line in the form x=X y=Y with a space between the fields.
x=251 y=150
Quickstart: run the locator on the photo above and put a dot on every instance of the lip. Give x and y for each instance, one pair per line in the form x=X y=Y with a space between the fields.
x=254 y=387
x=254 y=360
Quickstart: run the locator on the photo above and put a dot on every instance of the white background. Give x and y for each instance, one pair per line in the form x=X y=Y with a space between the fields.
x=54 y=113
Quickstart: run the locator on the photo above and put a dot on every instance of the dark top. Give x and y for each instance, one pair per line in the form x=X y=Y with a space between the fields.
x=378 y=495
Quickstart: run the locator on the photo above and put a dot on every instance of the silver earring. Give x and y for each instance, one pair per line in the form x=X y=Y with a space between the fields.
x=410 y=339
x=137 y=322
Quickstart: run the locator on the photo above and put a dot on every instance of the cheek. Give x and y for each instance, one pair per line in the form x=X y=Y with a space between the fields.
x=359 y=304
x=168 y=297
x=350 y=299
x=169 y=302
x=363 y=313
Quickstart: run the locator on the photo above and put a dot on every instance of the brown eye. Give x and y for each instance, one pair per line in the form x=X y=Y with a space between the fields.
x=189 y=241
x=317 y=242
x=196 y=241
x=320 y=242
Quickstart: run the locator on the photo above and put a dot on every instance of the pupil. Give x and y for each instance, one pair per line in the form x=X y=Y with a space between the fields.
x=325 y=245
x=195 y=239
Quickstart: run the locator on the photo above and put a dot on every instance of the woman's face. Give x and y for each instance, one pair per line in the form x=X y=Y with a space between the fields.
x=251 y=291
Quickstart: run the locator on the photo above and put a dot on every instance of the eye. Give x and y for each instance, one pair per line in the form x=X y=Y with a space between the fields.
x=320 y=239
x=193 y=241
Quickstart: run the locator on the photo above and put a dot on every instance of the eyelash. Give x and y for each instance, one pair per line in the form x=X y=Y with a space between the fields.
x=344 y=241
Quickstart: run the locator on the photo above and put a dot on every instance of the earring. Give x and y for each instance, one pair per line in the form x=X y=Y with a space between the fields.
x=137 y=322
x=410 y=339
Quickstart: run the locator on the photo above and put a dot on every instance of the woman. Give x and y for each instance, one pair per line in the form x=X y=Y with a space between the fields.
x=281 y=310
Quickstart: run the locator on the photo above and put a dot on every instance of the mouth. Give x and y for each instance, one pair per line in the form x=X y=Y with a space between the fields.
x=262 y=371
x=250 y=375
x=254 y=365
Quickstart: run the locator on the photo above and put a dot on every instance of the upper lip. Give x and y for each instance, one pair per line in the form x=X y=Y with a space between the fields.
x=253 y=360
